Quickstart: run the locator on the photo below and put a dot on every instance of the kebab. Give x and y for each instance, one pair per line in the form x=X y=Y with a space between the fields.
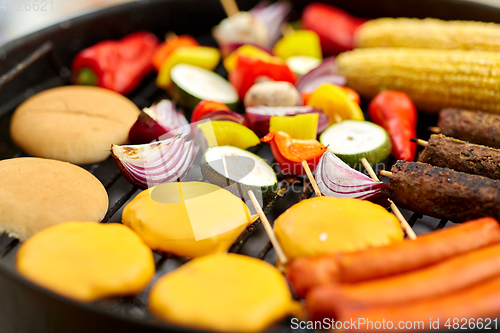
x=443 y=193
x=446 y=152
x=472 y=126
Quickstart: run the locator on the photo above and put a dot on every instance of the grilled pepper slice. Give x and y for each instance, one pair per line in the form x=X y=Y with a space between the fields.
x=299 y=43
x=289 y=153
x=116 y=65
x=169 y=46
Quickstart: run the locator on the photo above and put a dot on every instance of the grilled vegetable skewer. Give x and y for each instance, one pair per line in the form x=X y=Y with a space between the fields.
x=443 y=193
x=472 y=126
x=445 y=152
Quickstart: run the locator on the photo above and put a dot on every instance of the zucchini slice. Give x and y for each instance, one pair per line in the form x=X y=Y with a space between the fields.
x=192 y=84
x=351 y=140
x=238 y=170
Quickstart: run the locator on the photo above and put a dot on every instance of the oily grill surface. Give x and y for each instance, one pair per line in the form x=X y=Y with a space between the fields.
x=40 y=61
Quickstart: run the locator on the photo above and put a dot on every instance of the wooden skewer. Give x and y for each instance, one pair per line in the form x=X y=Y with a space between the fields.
x=385 y=173
x=230 y=7
x=434 y=129
x=404 y=224
x=420 y=142
x=311 y=178
x=269 y=230
x=338 y=118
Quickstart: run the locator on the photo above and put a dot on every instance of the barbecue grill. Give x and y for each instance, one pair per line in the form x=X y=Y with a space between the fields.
x=41 y=60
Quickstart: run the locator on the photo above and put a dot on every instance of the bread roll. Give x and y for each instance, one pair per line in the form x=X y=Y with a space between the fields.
x=75 y=124
x=37 y=193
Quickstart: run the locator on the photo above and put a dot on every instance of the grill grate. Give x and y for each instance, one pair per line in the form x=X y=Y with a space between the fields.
x=252 y=242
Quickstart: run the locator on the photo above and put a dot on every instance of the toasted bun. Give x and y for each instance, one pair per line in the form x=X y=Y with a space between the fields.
x=37 y=193
x=76 y=124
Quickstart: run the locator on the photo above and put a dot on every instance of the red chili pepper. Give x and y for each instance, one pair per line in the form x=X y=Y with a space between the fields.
x=289 y=153
x=116 y=65
x=205 y=107
x=169 y=46
x=395 y=111
x=334 y=27
x=249 y=70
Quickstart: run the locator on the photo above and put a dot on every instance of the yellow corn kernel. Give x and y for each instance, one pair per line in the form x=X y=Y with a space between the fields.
x=434 y=79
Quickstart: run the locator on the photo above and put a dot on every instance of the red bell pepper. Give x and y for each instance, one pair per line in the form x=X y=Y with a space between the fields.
x=289 y=153
x=249 y=70
x=116 y=65
x=334 y=27
x=396 y=113
x=205 y=107
x=170 y=45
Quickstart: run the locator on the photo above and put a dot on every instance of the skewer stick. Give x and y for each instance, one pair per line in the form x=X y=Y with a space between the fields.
x=230 y=7
x=311 y=178
x=404 y=224
x=338 y=118
x=385 y=173
x=420 y=142
x=434 y=129
x=269 y=230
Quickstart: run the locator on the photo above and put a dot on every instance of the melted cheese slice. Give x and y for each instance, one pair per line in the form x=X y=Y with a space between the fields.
x=223 y=293
x=87 y=261
x=188 y=219
x=329 y=225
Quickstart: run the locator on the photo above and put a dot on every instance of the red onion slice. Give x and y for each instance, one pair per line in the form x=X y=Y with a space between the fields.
x=258 y=117
x=273 y=16
x=326 y=72
x=155 y=163
x=158 y=120
x=335 y=178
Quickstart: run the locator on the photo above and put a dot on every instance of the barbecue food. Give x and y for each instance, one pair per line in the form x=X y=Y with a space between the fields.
x=87 y=261
x=189 y=219
x=472 y=126
x=429 y=33
x=328 y=225
x=443 y=278
x=272 y=93
x=37 y=193
x=461 y=156
x=444 y=193
x=426 y=250
x=434 y=79
x=76 y=124
x=478 y=301
x=223 y=293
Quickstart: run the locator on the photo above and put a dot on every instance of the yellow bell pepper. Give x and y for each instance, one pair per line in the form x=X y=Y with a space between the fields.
x=87 y=261
x=247 y=51
x=223 y=293
x=228 y=133
x=300 y=127
x=299 y=43
x=328 y=225
x=335 y=103
x=201 y=56
x=187 y=219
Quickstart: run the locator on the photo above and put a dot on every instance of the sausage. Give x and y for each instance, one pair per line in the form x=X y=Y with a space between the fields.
x=472 y=126
x=478 y=301
x=445 y=152
x=428 y=249
x=443 y=278
x=444 y=193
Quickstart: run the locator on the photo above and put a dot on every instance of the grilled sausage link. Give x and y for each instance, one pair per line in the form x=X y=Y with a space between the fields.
x=444 y=193
x=472 y=126
x=461 y=156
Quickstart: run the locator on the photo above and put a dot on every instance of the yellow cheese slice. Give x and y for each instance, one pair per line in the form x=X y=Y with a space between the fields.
x=223 y=293
x=87 y=261
x=328 y=225
x=188 y=219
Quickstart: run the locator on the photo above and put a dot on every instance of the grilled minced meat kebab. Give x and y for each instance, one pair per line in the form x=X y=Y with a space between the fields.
x=472 y=126
x=444 y=193
x=445 y=152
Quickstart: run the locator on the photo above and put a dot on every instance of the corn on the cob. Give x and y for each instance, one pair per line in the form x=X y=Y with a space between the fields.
x=434 y=79
x=429 y=33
